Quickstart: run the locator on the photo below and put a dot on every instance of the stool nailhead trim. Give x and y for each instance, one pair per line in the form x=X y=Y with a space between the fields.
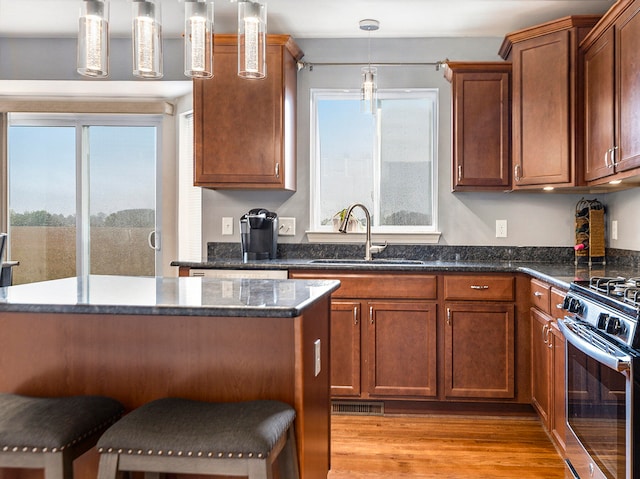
x=160 y=452
x=38 y=449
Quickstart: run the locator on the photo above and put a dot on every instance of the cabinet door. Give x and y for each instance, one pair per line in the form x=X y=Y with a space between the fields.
x=540 y=365
x=479 y=350
x=481 y=126
x=401 y=353
x=599 y=107
x=628 y=83
x=244 y=129
x=541 y=110
x=558 y=419
x=345 y=348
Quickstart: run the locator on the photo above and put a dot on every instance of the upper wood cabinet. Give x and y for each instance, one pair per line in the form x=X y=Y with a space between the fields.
x=481 y=125
x=245 y=130
x=547 y=102
x=612 y=95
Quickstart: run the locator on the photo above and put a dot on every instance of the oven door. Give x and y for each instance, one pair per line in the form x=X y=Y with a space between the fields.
x=599 y=395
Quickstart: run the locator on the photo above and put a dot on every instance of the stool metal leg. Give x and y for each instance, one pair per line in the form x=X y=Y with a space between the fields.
x=108 y=467
x=290 y=456
x=58 y=465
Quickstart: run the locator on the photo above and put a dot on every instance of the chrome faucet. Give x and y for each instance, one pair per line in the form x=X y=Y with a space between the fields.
x=369 y=249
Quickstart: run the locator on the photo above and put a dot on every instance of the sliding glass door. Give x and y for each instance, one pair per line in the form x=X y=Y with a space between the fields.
x=82 y=196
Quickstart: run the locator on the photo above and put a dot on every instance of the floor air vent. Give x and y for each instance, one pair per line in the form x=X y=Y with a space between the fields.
x=357 y=408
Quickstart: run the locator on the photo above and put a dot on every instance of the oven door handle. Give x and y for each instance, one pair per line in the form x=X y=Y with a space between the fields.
x=619 y=364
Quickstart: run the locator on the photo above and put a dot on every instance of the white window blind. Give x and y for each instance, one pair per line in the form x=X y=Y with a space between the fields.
x=189 y=196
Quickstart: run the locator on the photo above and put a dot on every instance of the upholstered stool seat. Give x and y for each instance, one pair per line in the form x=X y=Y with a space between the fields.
x=174 y=435
x=49 y=433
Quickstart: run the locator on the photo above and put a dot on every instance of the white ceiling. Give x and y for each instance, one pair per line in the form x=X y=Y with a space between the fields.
x=315 y=18
x=299 y=18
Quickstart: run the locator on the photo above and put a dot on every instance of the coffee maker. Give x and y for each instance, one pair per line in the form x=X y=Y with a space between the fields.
x=259 y=234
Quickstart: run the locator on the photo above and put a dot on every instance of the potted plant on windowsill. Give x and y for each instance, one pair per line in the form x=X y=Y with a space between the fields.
x=353 y=225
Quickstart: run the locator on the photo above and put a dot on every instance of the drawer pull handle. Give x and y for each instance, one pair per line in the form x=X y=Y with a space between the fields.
x=477 y=286
x=537 y=294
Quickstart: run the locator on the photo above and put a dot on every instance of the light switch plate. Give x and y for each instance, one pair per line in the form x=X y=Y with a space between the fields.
x=227 y=225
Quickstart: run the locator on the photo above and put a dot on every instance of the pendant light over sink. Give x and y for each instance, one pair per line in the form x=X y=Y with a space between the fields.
x=369 y=96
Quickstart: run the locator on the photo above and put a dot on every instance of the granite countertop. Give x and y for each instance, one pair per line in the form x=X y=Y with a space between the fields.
x=558 y=274
x=167 y=296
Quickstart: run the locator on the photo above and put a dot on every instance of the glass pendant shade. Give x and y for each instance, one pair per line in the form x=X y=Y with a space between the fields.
x=252 y=41
x=147 y=39
x=369 y=96
x=198 y=39
x=93 y=38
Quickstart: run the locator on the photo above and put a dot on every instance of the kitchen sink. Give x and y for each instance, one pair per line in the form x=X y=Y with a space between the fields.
x=364 y=261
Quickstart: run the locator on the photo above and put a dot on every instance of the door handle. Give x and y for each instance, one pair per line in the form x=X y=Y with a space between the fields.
x=154 y=241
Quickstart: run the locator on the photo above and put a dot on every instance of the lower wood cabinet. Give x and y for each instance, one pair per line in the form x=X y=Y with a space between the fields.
x=345 y=348
x=401 y=349
x=548 y=361
x=422 y=337
x=479 y=351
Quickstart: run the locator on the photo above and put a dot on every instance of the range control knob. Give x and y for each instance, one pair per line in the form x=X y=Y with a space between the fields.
x=602 y=321
x=575 y=306
x=566 y=302
x=615 y=326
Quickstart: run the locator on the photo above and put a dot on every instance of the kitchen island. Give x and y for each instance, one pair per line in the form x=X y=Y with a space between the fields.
x=138 y=339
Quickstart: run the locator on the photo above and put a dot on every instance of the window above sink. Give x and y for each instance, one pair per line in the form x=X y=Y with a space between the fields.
x=387 y=161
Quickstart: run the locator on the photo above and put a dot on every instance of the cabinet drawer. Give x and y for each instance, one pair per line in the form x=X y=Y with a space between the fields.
x=541 y=296
x=379 y=286
x=479 y=288
x=557 y=298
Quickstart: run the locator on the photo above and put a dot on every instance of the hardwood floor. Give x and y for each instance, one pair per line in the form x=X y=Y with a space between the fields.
x=442 y=446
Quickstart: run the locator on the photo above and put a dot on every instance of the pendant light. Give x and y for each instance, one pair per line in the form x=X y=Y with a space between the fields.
x=369 y=89
x=252 y=42
x=93 y=38
x=147 y=39
x=198 y=38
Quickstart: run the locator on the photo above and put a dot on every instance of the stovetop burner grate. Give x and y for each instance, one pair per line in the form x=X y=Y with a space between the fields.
x=624 y=289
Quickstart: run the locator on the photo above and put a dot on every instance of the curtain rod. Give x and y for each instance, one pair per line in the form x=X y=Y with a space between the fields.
x=302 y=65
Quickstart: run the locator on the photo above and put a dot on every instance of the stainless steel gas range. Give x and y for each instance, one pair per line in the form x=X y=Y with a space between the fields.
x=602 y=389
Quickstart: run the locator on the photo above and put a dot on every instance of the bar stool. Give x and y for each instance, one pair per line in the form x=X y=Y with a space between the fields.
x=174 y=435
x=49 y=433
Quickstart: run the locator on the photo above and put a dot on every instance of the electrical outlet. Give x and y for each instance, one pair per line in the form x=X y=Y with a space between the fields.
x=227 y=225
x=317 y=362
x=501 y=228
x=286 y=226
x=614 y=230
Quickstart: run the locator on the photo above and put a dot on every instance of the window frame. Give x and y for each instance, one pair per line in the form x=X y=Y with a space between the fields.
x=396 y=234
